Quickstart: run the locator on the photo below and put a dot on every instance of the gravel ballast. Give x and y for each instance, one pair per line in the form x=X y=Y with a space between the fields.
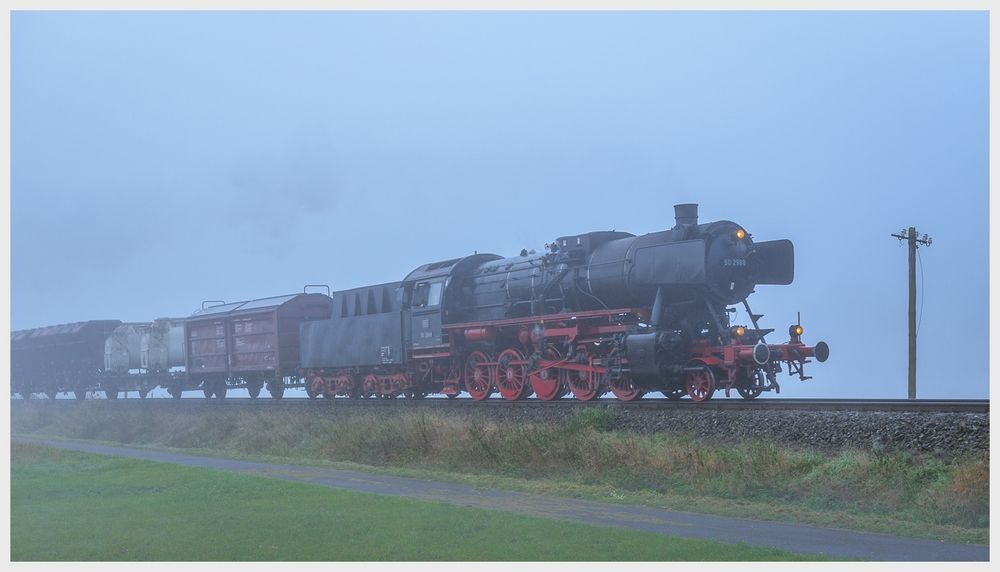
x=944 y=434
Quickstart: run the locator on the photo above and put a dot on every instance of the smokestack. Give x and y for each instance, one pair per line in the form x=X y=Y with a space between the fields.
x=686 y=213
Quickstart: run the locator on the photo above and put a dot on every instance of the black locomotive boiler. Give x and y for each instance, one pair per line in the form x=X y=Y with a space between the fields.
x=596 y=312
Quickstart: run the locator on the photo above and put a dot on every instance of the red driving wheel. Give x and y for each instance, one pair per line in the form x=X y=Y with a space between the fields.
x=625 y=389
x=701 y=384
x=479 y=377
x=583 y=384
x=512 y=375
x=549 y=383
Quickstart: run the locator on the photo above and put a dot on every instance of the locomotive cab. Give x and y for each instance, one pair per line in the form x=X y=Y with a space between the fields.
x=434 y=294
x=425 y=312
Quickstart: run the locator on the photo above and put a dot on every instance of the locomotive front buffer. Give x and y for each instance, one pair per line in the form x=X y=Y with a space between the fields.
x=747 y=363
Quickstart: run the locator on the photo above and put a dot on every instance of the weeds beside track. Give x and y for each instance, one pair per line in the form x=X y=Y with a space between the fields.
x=895 y=492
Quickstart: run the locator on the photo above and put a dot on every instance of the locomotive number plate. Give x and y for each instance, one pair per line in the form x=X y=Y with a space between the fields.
x=734 y=262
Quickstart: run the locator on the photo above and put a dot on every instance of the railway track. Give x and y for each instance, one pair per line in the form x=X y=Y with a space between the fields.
x=897 y=405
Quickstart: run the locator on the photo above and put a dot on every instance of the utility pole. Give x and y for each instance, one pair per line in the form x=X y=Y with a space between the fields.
x=910 y=236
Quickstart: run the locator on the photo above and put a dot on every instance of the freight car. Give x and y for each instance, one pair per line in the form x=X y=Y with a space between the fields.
x=140 y=357
x=596 y=312
x=57 y=359
x=249 y=344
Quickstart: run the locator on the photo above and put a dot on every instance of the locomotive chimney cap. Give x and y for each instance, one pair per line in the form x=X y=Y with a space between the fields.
x=686 y=213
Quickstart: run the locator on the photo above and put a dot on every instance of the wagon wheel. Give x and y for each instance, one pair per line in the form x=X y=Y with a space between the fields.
x=111 y=392
x=750 y=389
x=52 y=393
x=452 y=380
x=80 y=394
x=353 y=389
x=220 y=389
x=254 y=389
x=357 y=391
x=549 y=383
x=314 y=386
x=175 y=391
x=675 y=393
x=625 y=389
x=276 y=389
x=583 y=385
x=370 y=387
x=414 y=394
x=512 y=375
x=208 y=390
x=479 y=377
x=701 y=384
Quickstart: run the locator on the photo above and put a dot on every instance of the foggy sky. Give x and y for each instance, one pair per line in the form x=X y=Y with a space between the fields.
x=161 y=159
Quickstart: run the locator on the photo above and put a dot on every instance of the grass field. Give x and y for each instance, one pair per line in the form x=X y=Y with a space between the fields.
x=74 y=506
x=892 y=492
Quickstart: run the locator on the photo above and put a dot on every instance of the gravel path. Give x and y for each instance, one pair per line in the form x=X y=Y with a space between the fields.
x=802 y=539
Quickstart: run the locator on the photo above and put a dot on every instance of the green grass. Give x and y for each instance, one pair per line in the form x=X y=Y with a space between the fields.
x=75 y=506
x=892 y=492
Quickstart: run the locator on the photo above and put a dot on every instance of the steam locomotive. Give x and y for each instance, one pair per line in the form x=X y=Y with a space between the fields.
x=596 y=312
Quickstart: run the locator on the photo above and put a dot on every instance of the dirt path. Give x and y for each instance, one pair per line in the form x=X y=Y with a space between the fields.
x=798 y=538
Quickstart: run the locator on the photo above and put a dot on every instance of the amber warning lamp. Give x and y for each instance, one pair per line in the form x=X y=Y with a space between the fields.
x=795 y=333
x=741 y=234
x=739 y=331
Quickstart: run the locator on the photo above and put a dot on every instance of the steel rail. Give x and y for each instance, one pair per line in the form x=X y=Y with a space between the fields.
x=791 y=404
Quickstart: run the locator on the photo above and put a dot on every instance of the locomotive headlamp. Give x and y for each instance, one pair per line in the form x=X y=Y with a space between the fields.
x=741 y=234
x=739 y=331
x=795 y=332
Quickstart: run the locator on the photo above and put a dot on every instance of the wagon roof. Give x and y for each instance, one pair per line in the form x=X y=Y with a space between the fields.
x=257 y=305
x=64 y=329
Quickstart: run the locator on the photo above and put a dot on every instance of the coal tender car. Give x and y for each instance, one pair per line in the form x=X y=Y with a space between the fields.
x=596 y=312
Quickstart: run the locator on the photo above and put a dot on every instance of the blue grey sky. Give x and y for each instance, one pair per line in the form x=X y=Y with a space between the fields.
x=164 y=158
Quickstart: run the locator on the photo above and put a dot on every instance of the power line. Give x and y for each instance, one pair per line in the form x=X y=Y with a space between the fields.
x=920 y=313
